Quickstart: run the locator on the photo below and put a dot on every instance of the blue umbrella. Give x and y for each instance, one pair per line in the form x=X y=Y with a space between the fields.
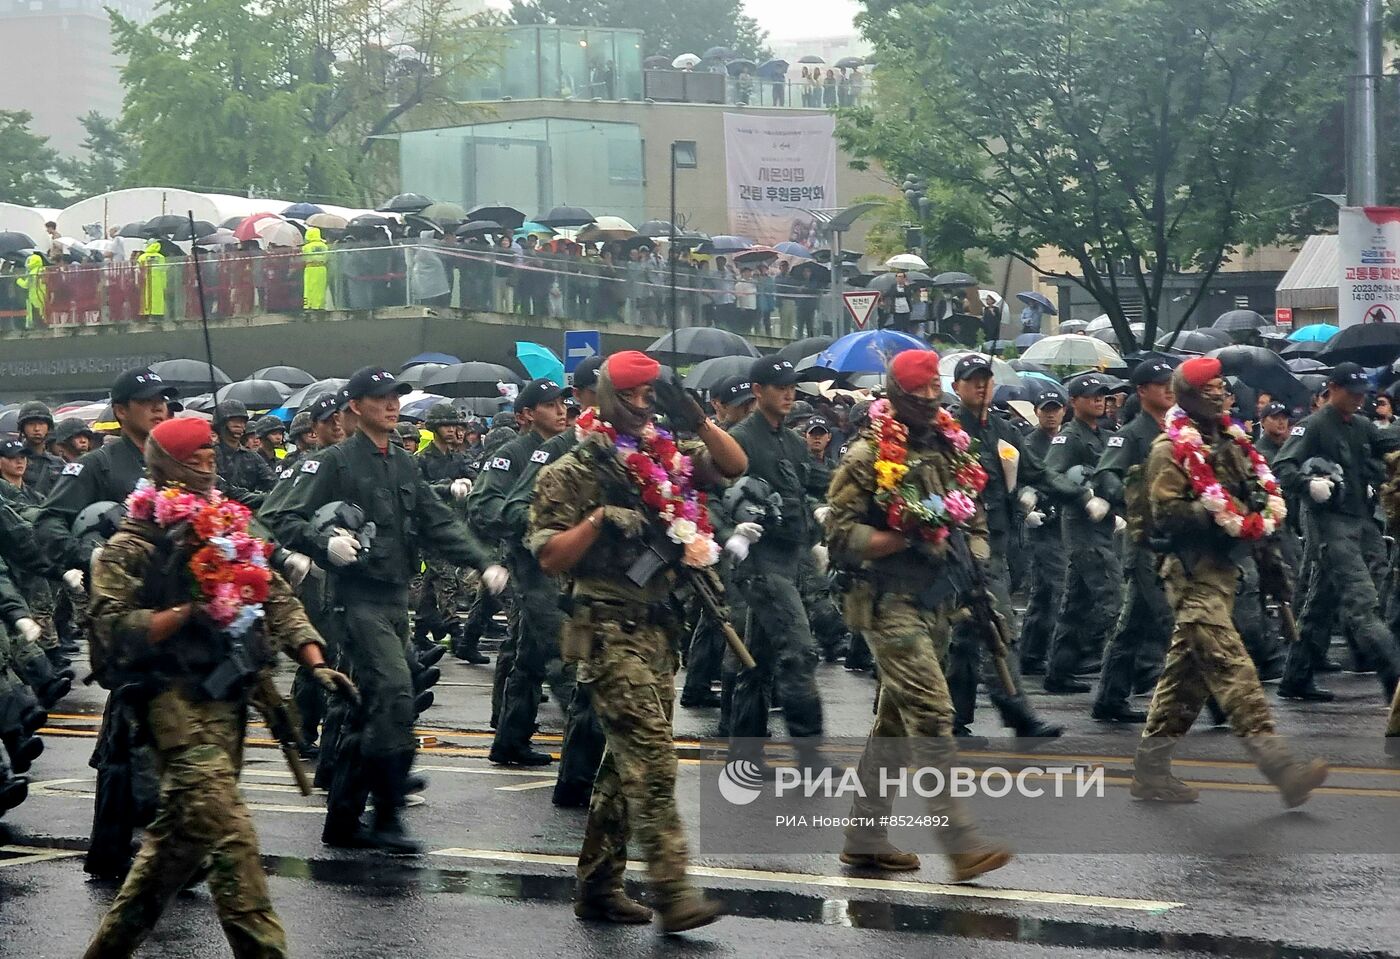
x=530 y=226
x=773 y=69
x=447 y=358
x=1026 y=339
x=300 y=211
x=725 y=244
x=1314 y=333
x=867 y=351
x=539 y=361
x=1044 y=377
x=1038 y=300
x=793 y=249
x=418 y=409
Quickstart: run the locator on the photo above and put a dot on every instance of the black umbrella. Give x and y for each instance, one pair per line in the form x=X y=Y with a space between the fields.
x=507 y=216
x=255 y=394
x=774 y=69
x=12 y=241
x=419 y=372
x=1303 y=348
x=954 y=280
x=137 y=231
x=798 y=349
x=371 y=219
x=1262 y=369
x=21 y=256
x=717 y=53
x=166 y=224
x=810 y=271
x=1370 y=344
x=293 y=376
x=189 y=373
x=416 y=225
x=486 y=406
x=656 y=62
x=655 y=228
x=736 y=67
x=307 y=395
x=471 y=379
x=810 y=58
x=444 y=214
x=1306 y=364
x=848 y=63
x=1239 y=321
x=405 y=203
x=882 y=283
x=479 y=228
x=566 y=216
x=202 y=228
x=1194 y=341
x=702 y=342
x=708 y=374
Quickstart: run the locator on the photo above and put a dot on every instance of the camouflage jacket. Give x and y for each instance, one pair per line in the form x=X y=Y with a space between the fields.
x=1177 y=513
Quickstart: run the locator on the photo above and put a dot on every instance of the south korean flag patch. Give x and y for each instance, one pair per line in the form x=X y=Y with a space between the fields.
x=310 y=466
x=1113 y=442
x=73 y=469
x=1297 y=431
x=539 y=456
x=1059 y=440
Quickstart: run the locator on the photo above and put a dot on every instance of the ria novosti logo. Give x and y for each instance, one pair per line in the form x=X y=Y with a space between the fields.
x=740 y=782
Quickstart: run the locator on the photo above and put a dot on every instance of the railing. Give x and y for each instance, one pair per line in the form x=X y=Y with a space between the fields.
x=583 y=290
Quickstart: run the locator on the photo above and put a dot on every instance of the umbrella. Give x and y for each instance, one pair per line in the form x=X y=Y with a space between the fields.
x=1003 y=372
x=471 y=379
x=539 y=361
x=486 y=406
x=405 y=203
x=867 y=351
x=1306 y=364
x=1305 y=348
x=189 y=373
x=444 y=214
x=737 y=67
x=12 y=241
x=655 y=228
x=309 y=394
x=1110 y=335
x=906 y=261
x=773 y=69
x=809 y=271
x=1314 y=333
x=327 y=221
x=255 y=394
x=279 y=233
x=417 y=408
x=302 y=211
x=656 y=62
x=1194 y=341
x=691 y=239
x=708 y=374
x=419 y=372
x=1261 y=368
x=1239 y=321
x=507 y=216
x=847 y=63
x=810 y=58
x=954 y=280
x=810 y=346
x=219 y=238
x=446 y=359
x=1026 y=339
x=790 y=248
x=702 y=342
x=1073 y=350
x=759 y=254
x=883 y=283
x=1370 y=344
x=725 y=243
x=416 y=225
x=252 y=227
x=998 y=347
x=1038 y=300
x=686 y=61
x=1073 y=326
x=606 y=228
x=201 y=228
x=718 y=53
x=479 y=228
x=531 y=228
x=1100 y=322
x=566 y=216
x=166 y=225
x=293 y=376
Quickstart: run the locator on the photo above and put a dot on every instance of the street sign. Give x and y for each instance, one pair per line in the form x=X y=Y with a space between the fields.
x=861 y=305
x=1283 y=315
x=579 y=345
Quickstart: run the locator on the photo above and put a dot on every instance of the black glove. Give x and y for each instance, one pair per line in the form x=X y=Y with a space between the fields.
x=679 y=406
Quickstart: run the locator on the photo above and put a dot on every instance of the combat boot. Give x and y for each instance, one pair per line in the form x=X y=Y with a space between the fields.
x=880 y=856
x=1152 y=775
x=465 y=646
x=425 y=679
x=683 y=907
x=981 y=858
x=1294 y=778
x=389 y=780
x=13 y=789
x=431 y=655
x=609 y=905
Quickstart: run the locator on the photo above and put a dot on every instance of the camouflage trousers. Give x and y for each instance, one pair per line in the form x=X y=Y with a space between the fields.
x=630 y=679
x=201 y=817
x=435 y=594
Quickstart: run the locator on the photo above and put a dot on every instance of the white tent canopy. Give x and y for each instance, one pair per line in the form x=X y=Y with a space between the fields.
x=120 y=207
x=26 y=219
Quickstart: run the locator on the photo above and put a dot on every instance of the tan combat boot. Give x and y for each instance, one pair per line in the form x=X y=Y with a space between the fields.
x=977 y=856
x=1152 y=774
x=609 y=905
x=682 y=907
x=882 y=856
x=1294 y=778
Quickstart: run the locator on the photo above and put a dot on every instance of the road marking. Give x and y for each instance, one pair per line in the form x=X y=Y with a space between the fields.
x=26 y=855
x=522 y=787
x=845 y=882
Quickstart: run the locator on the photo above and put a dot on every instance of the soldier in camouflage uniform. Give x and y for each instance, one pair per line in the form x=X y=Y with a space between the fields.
x=148 y=632
x=586 y=522
x=1206 y=656
x=907 y=622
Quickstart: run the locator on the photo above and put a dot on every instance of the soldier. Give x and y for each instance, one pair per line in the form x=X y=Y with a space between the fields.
x=408 y=436
x=150 y=634
x=1145 y=624
x=1336 y=442
x=370 y=471
x=818 y=436
x=71 y=438
x=905 y=621
x=588 y=520
x=732 y=400
x=1047 y=558
x=34 y=423
x=302 y=434
x=272 y=439
x=243 y=474
x=1203 y=534
x=767 y=571
x=1093 y=575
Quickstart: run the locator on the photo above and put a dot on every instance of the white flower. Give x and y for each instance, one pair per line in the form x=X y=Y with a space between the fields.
x=682 y=530
x=1213 y=499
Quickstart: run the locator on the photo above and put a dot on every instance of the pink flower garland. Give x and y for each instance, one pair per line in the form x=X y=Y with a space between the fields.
x=1188 y=448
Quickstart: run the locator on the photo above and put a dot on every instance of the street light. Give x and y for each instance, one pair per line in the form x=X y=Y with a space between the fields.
x=683 y=157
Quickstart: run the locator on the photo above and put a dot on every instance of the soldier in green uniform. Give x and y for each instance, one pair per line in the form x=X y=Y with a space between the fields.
x=1047 y=557
x=370 y=471
x=272 y=436
x=1093 y=575
x=150 y=634
x=1206 y=656
x=589 y=521
x=1144 y=626
x=903 y=602
x=244 y=474
x=34 y=423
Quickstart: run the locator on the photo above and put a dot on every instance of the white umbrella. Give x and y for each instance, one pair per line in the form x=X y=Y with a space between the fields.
x=1100 y=322
x=686 y=61
x=1072 y=349
x=906 y=261
x=279 y=233
x=607 y=228
x=1002 y=372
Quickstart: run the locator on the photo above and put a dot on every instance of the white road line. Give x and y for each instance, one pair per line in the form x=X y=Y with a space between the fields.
x=522 y=787
x=846 y=882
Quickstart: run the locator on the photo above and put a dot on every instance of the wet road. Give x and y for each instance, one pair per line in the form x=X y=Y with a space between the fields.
x=1224 y=877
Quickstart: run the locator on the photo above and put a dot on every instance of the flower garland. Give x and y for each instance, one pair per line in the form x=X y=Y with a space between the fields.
x=907 y=510
x=229 y=565
x=664 y=475
x=1188 y=448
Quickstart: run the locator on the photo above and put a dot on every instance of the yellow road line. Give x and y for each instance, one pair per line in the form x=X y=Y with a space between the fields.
x=28 y=855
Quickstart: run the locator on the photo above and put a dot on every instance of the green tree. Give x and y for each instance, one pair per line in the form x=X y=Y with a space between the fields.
x=671 y=28
x=1138 y=137
x=27 y=163
x=102 y=163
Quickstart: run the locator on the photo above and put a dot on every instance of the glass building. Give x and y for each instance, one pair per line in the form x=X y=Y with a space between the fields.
x=555 y=62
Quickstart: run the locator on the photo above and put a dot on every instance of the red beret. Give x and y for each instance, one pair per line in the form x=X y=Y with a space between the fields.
x=180 y=437
x=1199 y=370
x=631 y=368
x=914 y=369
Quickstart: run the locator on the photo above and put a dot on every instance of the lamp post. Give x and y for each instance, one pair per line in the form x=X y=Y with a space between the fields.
x=683 y=157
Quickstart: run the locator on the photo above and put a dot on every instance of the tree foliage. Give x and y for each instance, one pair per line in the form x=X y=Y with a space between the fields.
x=101 y=165
x=26 y=163
x=671 y=28
x=1138 y=137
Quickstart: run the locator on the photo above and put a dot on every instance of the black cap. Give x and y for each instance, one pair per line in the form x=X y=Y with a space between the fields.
x=141 y=384
x=1273 y=409
x=12 y=449
x=970 y=365
x=1088 y=384
x=818 y=423
x=773 y=371
x=1350 y=377
x=735 y=391
x=586 y=373
x=542 y=390
x=1151 y=371
x=325 y=405
x=374 y=381
x=1049 y=398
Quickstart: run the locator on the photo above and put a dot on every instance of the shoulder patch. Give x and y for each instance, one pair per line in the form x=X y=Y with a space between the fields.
x=72 y=469
x=283 y=474
x=1059 y=439
x=539 y=456
x=1115 y=441
x=1297 y=431
x=499 y=463
x=310 y=466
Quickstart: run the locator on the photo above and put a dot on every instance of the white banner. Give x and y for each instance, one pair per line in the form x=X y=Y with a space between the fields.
x=778 y=167
x=1368 y=285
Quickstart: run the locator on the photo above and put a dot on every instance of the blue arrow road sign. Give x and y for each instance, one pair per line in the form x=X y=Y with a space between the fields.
x=579 y=345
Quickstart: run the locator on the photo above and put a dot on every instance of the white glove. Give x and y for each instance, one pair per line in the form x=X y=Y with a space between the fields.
x=821 y=557
x=295 y=567
x=460 y=488
x=1035 y=519
x=1320 y=489
x=1119 y=524
x=92 y=560
x=822 y=513
x=752 y=532
x=73 y=582
x=1097 y=508
x=343 y=550
x=738 y=545
x=494 y=578
x=1028 y=498
x=28 y=630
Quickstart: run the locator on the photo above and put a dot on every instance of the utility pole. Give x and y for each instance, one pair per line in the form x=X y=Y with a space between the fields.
x=1363 y=102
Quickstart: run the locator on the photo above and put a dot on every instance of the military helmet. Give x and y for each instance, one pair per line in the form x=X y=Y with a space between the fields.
x=101 y=518
x=301 y=424
x=269 y=424
x=801 y=410
x=68 y=428
x=498 y=437
x=503 y=418
x=337 y=516
x=408 y=431
x=34 y=410
x=230 y=410
x=444 y=414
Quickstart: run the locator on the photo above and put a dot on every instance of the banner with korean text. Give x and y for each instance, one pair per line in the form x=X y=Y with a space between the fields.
x=778 y=168
x=1368 y=281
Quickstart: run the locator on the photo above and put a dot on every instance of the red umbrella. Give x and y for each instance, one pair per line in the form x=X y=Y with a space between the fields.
x=248 y=229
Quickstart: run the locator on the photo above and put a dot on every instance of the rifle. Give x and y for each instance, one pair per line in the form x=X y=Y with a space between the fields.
x=708 y=587
x=978 y=599
x=282 y=722
x=1275 y=583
